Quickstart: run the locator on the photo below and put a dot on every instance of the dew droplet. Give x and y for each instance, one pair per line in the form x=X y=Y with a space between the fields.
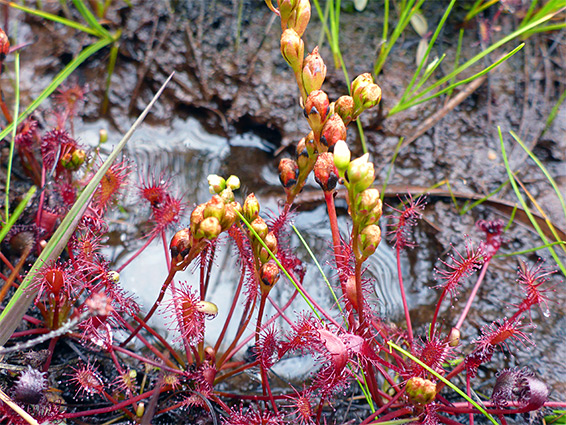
x=546 y=312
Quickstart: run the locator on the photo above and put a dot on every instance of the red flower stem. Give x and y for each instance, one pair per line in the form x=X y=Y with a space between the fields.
x=260 y=316
x=336 y=243
x=436 y=311
x=162 y=340
x=235 y=371
x=266 y=324
x=149 y=345
x=8 y=283
x=166 y=250
x=50 y=349
x=9 y=265
x=41 y=198
x=404 y=297
x=319 y=410
x=359 y=289
x=461 y=408
x=265 y=382
x=230 y=313
x=144 y=359
x=119 y=367
x=279 y=311
x=156 y=304
x=138 y=252
x=112 y=408
x=472 y=295
x=382 y=408
x=251 y=397
x=209 y=264
x=468 y=393
x=246 y=317
x=28 y=332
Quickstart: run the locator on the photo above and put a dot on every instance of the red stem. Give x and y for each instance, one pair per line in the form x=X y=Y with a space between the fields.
x=472 y=295
x=230 y=313
x=404 y=297
x=138 y=252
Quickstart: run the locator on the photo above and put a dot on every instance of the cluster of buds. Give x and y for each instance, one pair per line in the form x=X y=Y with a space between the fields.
x=73 y=160
x=364 y=201
x=420 y=390
x=268 y=270
x=208 y=220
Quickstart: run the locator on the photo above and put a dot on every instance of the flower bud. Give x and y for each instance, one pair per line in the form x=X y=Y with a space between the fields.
x=260 y=227
x=314 y=71
x=227 y=195
x=344 y=107
x=360 y=172
x=292 y=49
x=325 y=172
x=4 y=45
x=370 y=239
x=208 y=308
x=302 y=154
x=250 y=208
x=288 y=172
x=367 y=200
x=229 y=217
x=102 y=136
x=300 y=17
x=214 y=208
x=365 y=93
x=233 y=182
x=286 y=8
x=332 y=131
x=180 y=245
x=216 y=184
x=361 y=82
x=421 y=391
x=269 y=275
x=78 y=158
x=341 y=156
x=316 y=109
x=271 y=242
x=454 y=337
x=196 y=217
x=374 y=215
x=209 y=228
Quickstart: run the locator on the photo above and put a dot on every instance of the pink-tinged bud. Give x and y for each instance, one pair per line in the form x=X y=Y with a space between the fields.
x=341 y=156
x=361 y=82
x=325 y=172
x=292 y=49
x=229 y=217
x=370 y=239
x=420 y=391
x=316 y=109
x=196 y=217
x=216 y=184
x=454 y=337
x=300 y=17
x=332 y=131
x=78 y=158
x=367 y=200
x=250 y=208
x=374 y=215
x=180 y=245
x=314 y=71
x=309 y=143
x=269 y=275
x=208 y=308
x=351 y=292
x=271 y=242
x=288 y=172
x=260 y=227
x=233 y=182
x=214 y=208
x=361 y=173
x=4 y=45
x=344 y=107
x=209 y=228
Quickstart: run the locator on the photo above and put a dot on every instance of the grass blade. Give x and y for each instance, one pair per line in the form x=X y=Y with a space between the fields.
x=17 y=212
x=524 y=204
x=54 y=18
x=13 y=142
x=85 y=54
x=443 y=379
x=19 y=303
x=91 y=19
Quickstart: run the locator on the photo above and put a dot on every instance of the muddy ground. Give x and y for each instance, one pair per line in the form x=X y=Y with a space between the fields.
x=229 y=75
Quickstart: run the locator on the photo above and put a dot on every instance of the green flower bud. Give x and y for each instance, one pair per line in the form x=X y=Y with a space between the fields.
x=229 y=217
x=286 y=8
x=260 y=227
x=271 y=242
x=102 y=136
x=302 y=154
x=341 y=156
x=227 y=195
x=209 y=228
x=358 y=168
x=78 y=158
x=420 y=390
x=214 y=208
x=374 y=215
x=250 y=210
x=367 y=200
x=233 y=182
x=300 y=17
x=314 y=71
x=370 y=239
x=208 y=308
x=196 y=217
x=365 y=93
x=292 y=49
x=216 y=184
x=454 y=337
